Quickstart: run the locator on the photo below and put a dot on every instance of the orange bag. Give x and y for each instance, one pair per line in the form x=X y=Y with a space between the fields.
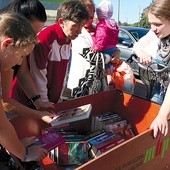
x=123 y=77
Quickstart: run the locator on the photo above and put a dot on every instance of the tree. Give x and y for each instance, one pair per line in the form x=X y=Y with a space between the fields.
x=144 y=20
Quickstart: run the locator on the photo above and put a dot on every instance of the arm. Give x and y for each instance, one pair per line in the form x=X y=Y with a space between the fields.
x=160 y=123
x=28 y=85
x=9 y=140
x=11 y=105
x=100 y=36
x=146 y=47
x=38 y=61
x=8 y=137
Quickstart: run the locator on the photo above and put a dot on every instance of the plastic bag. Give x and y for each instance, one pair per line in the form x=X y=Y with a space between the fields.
x=123 y=77
x=95 y=78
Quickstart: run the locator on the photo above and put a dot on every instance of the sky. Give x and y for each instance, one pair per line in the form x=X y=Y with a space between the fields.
x=130 y=10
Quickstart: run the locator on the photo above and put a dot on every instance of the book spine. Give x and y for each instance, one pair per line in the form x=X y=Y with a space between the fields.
x=95 y=137
x=101 y=138
x=92 y=135
x=117 y=126
x=111 y=145
x=104 y=118
x=108 y=141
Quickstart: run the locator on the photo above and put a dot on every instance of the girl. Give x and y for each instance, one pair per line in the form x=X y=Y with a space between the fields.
x=17 y=39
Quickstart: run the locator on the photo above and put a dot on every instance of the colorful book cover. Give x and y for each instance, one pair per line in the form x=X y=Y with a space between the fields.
x=72 y=115
x=72 y=153
x=50 y=140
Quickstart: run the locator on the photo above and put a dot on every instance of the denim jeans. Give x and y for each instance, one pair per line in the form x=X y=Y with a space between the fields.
x=158 y=94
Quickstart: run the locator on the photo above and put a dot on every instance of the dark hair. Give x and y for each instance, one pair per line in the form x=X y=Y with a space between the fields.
x=31 y=9
x=72 y=10
x=88 y=3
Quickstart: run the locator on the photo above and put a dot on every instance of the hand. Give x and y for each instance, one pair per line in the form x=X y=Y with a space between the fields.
x=41 y=105
x=160 y=123
x=28 y=141
x=146 y=59
x=36 y=153
x=115 y=57
x=47 y=116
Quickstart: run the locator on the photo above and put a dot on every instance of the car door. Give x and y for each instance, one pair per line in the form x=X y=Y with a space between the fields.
x=125 y=44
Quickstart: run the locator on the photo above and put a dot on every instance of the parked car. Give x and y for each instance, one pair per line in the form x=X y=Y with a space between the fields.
x=127 y=37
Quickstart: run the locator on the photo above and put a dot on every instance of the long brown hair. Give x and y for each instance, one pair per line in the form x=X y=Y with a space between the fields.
x=17 y=27
x=161 y=9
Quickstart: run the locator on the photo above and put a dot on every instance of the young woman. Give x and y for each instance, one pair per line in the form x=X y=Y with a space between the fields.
x=17 y=39
x=34 y=11
x=159 y=18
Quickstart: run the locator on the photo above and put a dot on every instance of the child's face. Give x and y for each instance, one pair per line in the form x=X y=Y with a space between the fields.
x=71 y=29
x=11 y=56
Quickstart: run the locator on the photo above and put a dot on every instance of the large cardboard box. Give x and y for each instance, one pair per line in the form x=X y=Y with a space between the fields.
x=142 y=152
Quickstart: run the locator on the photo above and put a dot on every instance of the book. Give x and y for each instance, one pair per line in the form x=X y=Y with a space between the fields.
x=73 y=138
x=72 y=115
x=100 y=138
x=50 y=140
x=72 y=153
x=97 y=150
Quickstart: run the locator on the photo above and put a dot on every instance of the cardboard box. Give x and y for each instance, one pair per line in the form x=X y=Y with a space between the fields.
x=142 y=152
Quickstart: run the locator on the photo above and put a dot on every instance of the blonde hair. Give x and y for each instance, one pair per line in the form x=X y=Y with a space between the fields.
x=160 y=8
x=18 y=28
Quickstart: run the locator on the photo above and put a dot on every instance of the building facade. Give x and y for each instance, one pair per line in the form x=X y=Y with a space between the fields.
x=48 y=4
x=3 y=3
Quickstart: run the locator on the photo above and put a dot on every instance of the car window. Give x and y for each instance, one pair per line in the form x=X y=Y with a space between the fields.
x=139 y=33
x=135 y=34
x=123 y=36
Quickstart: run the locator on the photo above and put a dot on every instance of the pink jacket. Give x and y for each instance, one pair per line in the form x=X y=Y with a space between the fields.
x=106 y=35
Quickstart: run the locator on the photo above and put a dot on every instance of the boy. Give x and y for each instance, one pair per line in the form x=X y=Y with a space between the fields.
x=49 y=59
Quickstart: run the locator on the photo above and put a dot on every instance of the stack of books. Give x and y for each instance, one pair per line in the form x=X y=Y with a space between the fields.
x=112 y=122
x=103 y=142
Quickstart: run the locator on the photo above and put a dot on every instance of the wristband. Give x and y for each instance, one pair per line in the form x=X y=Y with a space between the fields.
x=34 y=98
x=26 y=155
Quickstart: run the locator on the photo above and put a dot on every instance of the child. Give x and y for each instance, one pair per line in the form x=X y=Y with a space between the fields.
x=106 y=35
x=35 y=13
x=49 y=59
x=17 y=39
